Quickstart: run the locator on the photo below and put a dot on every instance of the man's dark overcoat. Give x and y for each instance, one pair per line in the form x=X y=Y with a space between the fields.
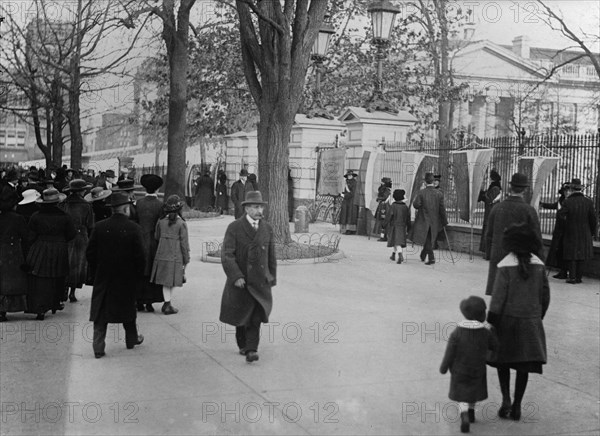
x=116 y=257
x=513 y=210
x=14 y=240
x=431 y=214
x=555 y=252
x=580 y=226
x=488 y=197
x=83 y=218
x=247 y=254
x=238 y=194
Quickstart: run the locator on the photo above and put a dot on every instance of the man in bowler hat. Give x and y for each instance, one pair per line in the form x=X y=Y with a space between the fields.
x=512 y=210
x=116 y=257
x=248 y=259
x=239 y=189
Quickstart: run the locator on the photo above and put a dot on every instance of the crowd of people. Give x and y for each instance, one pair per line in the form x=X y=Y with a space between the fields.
x=54 y=240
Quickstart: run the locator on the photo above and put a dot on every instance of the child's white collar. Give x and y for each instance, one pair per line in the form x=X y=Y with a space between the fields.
x=471 y=324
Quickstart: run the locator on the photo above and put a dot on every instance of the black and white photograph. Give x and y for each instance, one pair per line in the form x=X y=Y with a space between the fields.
x=299 y=217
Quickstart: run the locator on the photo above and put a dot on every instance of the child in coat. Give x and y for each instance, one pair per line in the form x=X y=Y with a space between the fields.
x=173 y=252
x=465 y=357
x=397 y=223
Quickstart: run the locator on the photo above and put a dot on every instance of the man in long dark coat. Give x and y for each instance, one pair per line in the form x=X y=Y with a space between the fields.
x=149 y=211
x=116 y=257
x=430 y=219
x=580 y=226
x=512 y=210
x=555 y=253
x=239 y=189
x=248 y=259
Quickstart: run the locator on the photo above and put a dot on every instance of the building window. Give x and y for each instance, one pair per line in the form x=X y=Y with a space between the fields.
x=471 y=108
x=11 y=134
x=21 y=135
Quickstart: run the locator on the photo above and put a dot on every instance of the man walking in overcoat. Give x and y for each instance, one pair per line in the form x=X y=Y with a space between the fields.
x=248 y=259
x=512 y=210
x=239 y=189
x=116 y=257
x=430 y=219
x=579 y=226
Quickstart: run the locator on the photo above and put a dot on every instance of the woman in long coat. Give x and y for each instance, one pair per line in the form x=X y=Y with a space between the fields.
x=490 y=197
x=48 y=257
x=222 y=201
x=14 y=238
x=397 y=224
x=149 y=209
x=349 y=212
x=520 y=299
x=204 y=198
x=83 y=217
x=173 y=252
x=383 y=204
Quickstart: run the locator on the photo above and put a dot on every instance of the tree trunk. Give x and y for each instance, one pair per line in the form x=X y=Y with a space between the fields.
x=444 y=103
x=57 y=122
x=74 y=120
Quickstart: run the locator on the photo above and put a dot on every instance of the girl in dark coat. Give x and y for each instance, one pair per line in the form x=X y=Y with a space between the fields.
x=397 y=223
x=222 y=201
x=348 y=211
x=490 y=197
x=520 y=299
x=465 y=358
x=48 y=257
x=83 y=217
x=14 y=236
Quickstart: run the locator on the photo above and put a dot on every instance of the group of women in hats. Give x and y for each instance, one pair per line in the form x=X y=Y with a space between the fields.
x=44 y=236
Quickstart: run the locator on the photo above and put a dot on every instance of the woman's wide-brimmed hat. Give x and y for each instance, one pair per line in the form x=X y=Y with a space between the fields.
x=173 y=203
x=119 y=199
x=126 y=185
x=29 y=196
x=51 y=195
x=151 y=182
x=495 y=176
x=253 y=197
x=473 y=308
x=576 y=184
x=97 y=194
x=350 y=173
x=9 y=198
x=77 y=185
x=520 y=238
x=519 y=180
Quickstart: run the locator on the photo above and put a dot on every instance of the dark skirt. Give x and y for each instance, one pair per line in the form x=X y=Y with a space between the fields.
x=149 y=293
x=77 y=261
x=13 y=303
x=534 y=367
x=45 y=293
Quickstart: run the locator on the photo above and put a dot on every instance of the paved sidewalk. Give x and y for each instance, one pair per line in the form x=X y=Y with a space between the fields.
x=354 y=347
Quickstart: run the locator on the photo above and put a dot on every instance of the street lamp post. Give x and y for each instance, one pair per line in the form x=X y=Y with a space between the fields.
x=383 y=14
x=318 y=55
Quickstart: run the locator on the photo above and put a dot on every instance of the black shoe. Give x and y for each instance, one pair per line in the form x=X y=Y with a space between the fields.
x=251 y=356
x=573 y=281
x=139 y=341
x=167 y=309
x=382 y=240
x=400 y=258
x=99 y=355
x=471 y=415
x=60 y=306
x=423 y=257
x=464 y=422
x=72 y=298
x=393 y=256
x=561 y=276
x=515 y=412
x=504 y=411
x=40 y=317
x=140 y=307
x=149 y=308
x=430 y=262
x=242 y=351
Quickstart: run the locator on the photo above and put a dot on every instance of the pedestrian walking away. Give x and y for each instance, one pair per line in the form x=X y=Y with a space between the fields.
x=555 y=253
x=465 y=357
x=239 y=189
x=397 y=223
x=248 y=259
x=384 y=197
x=520 y=299
x=173 y=252
x=490 y=198
x=348 y=210
x=116 y=257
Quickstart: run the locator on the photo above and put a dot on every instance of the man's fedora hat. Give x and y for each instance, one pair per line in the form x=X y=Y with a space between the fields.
x=51 y=195
x=173 y=203
x=76 y=185
x=126 y=185
x=29 y=196
x=151 y=182
x=519 y=180
x=243 y=172
x=576 y=184
x=253 y=197
x=110 y=174
x=119 y=199
x=98 y=193
x=350 y=173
